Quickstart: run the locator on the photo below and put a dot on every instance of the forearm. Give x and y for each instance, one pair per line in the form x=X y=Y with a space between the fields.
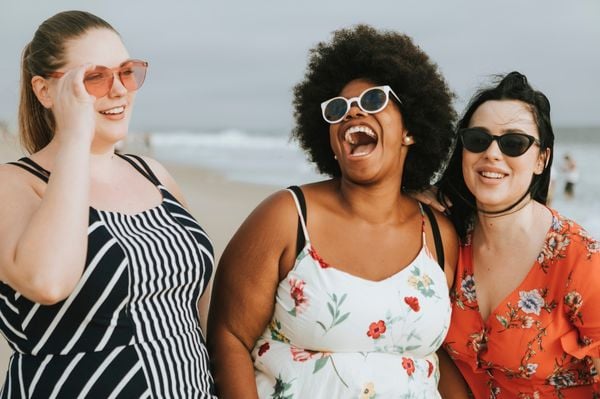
x=452 y=384
x=50 y=253
x=232 y=367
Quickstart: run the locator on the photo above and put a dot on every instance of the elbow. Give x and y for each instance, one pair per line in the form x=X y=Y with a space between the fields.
x=44 y=281
x=48 y=294
x=44 y=289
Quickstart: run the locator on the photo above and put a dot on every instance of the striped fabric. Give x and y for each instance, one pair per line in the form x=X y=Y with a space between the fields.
x=130 y=328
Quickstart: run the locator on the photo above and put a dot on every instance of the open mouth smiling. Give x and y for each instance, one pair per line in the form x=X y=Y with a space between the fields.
x=360 y=140
x=491 y=174
x=114 y=111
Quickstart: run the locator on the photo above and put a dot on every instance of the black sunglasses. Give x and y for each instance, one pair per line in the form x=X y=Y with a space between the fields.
x=478 y=140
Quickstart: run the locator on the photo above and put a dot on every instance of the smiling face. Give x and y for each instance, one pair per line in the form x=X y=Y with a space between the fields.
x=113 y=111
x=369 y=147
x=495 y=179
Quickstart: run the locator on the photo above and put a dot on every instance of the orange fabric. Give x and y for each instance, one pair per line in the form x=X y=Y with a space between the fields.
x=539 y=341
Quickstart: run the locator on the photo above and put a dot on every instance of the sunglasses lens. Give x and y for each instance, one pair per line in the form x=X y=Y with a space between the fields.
x=475 y=140
x=335 y=110
x=132 y=75
x=373 y=100
x=514 y=145
x=98 y=81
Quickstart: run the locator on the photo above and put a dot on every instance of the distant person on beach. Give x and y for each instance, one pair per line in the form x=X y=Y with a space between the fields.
x=101 y=265
x=569 y=169
x=525 y=316
x=339 y=289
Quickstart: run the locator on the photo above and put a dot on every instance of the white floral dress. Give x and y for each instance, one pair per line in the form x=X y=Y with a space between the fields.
x=335 y=335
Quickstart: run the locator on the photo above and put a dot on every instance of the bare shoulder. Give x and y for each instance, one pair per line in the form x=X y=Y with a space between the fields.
x=20 y=197
x=276 y=212
x=450 y=244
x=269 y=232
x=165 y=178
x=159 y=170
x=16 y=182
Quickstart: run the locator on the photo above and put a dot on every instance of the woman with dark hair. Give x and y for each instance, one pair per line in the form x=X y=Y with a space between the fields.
x=524 y=323
x=101 y=267
x=331 y=290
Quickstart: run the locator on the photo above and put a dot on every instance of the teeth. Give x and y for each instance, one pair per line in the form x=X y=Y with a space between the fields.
x=114 y=111
x=349 y=135
x=492 y=175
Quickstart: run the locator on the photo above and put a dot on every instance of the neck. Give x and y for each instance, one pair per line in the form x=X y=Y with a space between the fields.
x=100 y=157
x=500 y=230
x=377 y=203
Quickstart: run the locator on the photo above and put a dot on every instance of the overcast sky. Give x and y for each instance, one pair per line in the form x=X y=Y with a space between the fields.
x=232 y=64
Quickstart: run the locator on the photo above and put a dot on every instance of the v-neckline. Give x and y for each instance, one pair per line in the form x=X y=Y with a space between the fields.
x=532 y=270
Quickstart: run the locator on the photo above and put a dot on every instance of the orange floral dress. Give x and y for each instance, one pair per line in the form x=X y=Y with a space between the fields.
x=539 y=341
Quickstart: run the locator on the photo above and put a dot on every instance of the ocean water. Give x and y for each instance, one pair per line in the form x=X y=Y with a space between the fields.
x=272 y=159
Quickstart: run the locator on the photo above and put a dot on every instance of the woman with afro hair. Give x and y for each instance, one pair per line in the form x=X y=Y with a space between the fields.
x=339 y=289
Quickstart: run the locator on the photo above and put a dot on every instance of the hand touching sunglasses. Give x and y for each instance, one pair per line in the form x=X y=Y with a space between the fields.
x=99 y=81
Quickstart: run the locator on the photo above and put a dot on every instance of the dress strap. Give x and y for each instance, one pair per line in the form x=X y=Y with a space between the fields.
x=33 y=168
x=302 y=236
x=144 y=169
x=437 y=237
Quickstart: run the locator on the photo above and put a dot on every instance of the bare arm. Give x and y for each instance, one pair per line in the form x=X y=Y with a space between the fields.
x=44 y=237
x=452 y=384
x=244 y=293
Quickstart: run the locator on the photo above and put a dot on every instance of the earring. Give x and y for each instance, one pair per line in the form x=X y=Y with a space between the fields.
x=335 y=157
x=407 y=139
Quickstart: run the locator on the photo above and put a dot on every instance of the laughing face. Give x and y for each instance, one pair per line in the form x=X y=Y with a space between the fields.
x=369 y=147
x=495 y=179
x=113 y=111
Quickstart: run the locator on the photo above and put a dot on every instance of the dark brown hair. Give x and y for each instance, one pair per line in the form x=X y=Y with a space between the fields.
x=512 y=86
x=44 y=54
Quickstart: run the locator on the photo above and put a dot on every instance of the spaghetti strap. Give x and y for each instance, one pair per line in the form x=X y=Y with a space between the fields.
x=32 y=167
x=301 y=207
x=144 y=169
x=437 y=237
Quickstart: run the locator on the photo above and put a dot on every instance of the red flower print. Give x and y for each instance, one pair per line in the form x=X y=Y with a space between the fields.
x=263 y=348
x=297 y=292
x=429 y=368
x=409 y=365
x=413 y=302
x=313 y=254
x=302 y=355
x=376 y=329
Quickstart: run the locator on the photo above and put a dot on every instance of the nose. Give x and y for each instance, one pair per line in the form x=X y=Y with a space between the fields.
x=354 y=110
x=117 y=89
x=493 y=151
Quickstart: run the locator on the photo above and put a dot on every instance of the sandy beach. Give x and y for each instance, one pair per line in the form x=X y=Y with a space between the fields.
x=218 y=204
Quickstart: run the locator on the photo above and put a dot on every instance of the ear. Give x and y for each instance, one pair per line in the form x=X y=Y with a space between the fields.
x=408 y=140
x=41 y=91
x=542 y=161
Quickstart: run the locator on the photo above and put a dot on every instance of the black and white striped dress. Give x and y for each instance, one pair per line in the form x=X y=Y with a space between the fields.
x=130 y=328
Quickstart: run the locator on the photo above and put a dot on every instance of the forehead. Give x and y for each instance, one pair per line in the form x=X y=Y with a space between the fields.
x=355 y=87
x=96 y=46
x=501 y=115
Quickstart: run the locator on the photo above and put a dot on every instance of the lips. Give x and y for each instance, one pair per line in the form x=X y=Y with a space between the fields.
x=360 y=140
x=114 y=111
x=492 y=175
